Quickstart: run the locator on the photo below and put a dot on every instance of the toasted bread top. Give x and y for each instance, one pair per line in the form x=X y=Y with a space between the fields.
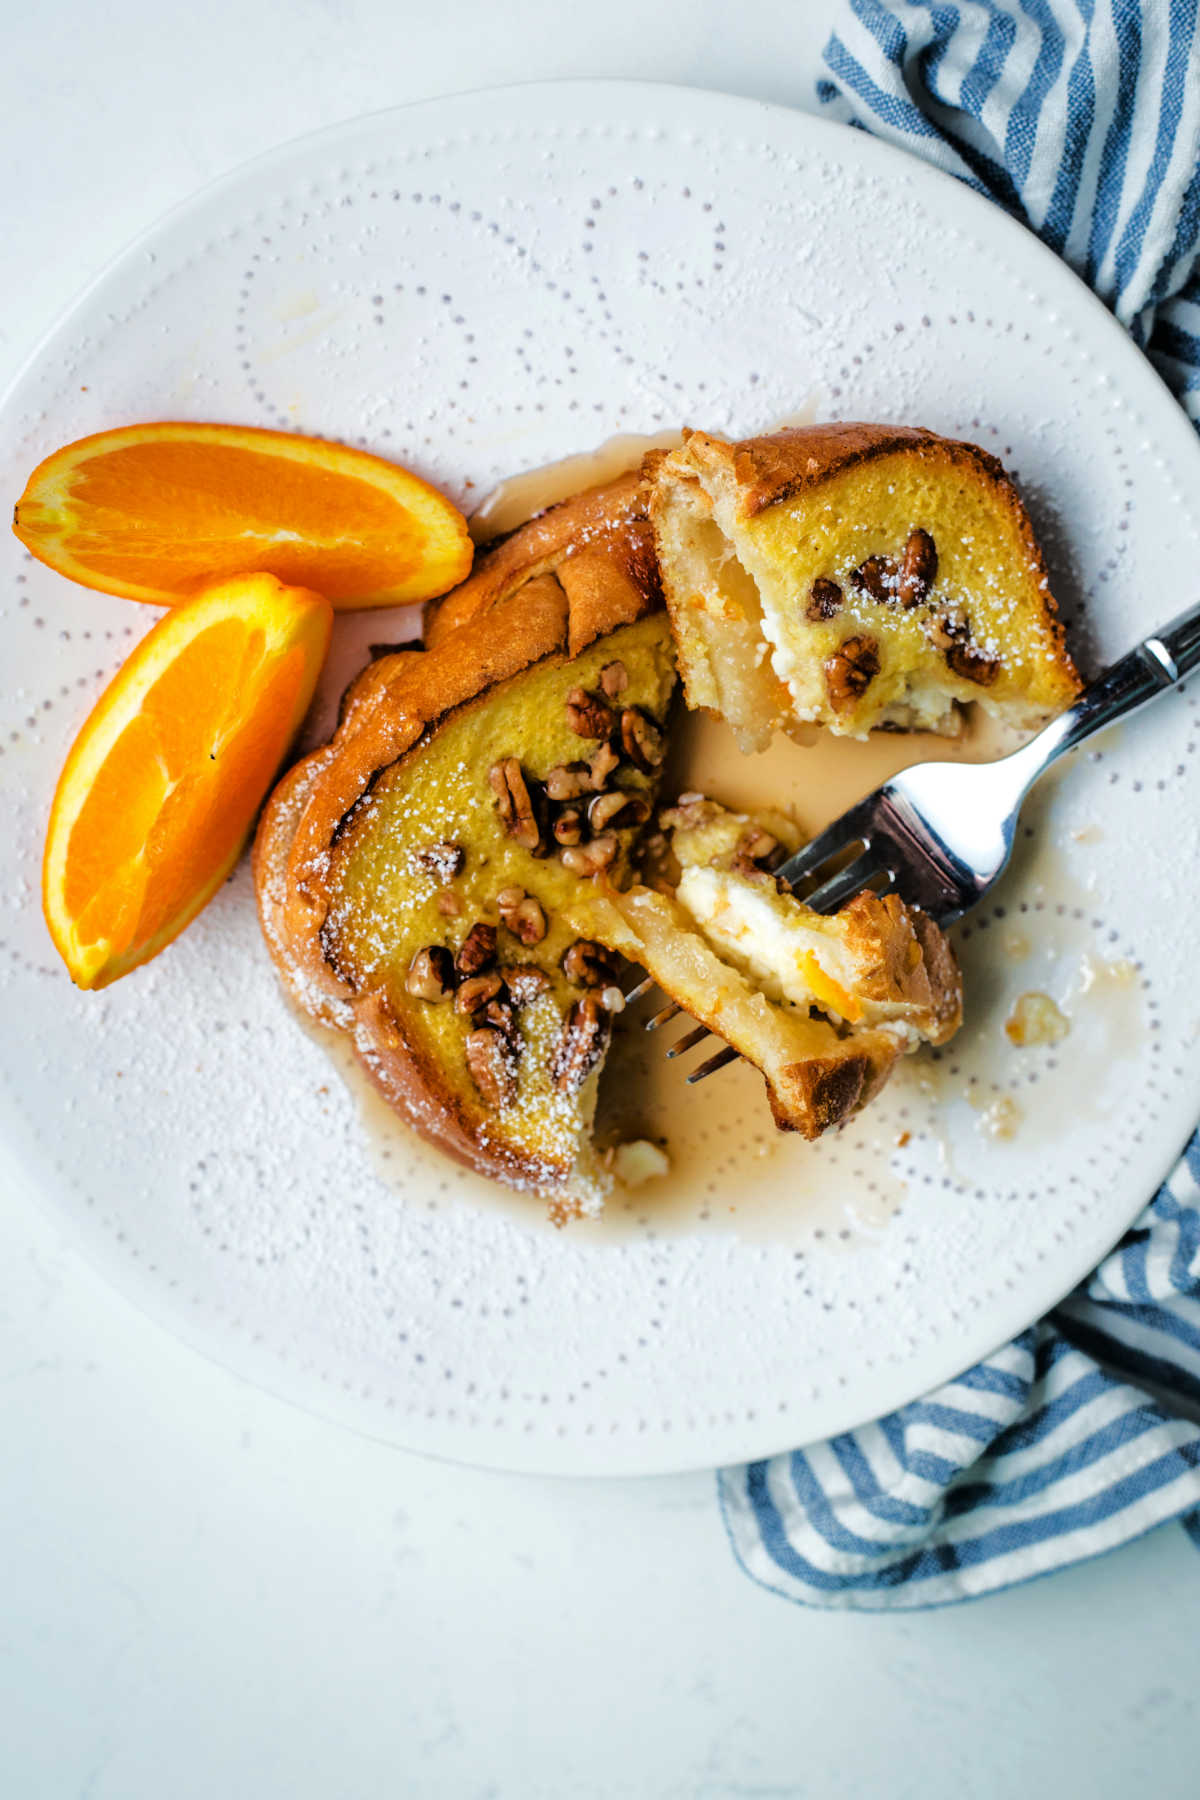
x=774 y=467
x=598 y=546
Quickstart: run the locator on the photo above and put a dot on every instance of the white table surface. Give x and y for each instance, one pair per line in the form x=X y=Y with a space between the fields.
x=204 y=1592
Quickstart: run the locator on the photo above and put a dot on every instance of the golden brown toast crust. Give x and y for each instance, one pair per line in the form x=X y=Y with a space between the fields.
x=598 y=545
x=392 y=709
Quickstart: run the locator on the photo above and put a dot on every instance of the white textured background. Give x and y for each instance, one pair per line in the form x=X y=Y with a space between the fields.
x=205 y=1593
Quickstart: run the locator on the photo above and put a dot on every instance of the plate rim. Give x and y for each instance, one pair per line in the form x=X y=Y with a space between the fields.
x=127 y=1277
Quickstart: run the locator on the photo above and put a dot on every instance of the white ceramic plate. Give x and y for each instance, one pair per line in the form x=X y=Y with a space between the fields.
x=483 y=284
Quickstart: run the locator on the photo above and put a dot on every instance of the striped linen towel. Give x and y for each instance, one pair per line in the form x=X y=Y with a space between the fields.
x=1081 y=117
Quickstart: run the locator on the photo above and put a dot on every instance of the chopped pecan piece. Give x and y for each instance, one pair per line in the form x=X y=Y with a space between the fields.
x=918 y=568
x=850 y=671
x=973 y=664
x=520 y=802
x=643 y=742
x=568 y=826
x=824 y=600
x=522 y=914
x=493 y=1066
x=878 y=577
x=431 y=973
x=568 y=781
x=474 y=994
x=602 y=765
x=582 y=1043
x=448 y=903
x=524 y=982
x=478 y=949
x=614 y=679
x=445 y=860
x=589 y=859
x=589 y=964
x=618 y=810
x=500 y=1016
x=526 y=920
x=945 y=629
x=589 y=716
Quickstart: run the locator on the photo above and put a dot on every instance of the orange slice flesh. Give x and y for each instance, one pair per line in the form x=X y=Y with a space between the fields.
x=161 y=787
x=154 y=512
x=826 y=991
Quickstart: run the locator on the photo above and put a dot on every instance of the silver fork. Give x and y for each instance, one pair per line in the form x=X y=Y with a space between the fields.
x=939 y=834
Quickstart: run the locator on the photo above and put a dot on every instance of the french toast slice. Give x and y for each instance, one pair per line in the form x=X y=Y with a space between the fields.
x=855 y=576
x=414 y=875
x=824 y=1006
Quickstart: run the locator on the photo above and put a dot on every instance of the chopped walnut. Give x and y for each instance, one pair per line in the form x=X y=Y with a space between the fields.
x=475 y=993
x=569 y=781
x=524 y=982
x=500 y=1015
x=582 y=1043
x=589 y=964
x=527 y=921
x=568 y=826
x=642 y=740
x=493 y=1066
x=878 y=577
x=478 y=949
x=824 y=600
x=603 y=762
x=918 y=568
x=945 y=629
x=448 y=903
x=850 y=671
x=589 y=716
x=431 y=973
x=618 y=810
x=973 y=664
x=589 y=859
x=520 y=802
x=445 y=860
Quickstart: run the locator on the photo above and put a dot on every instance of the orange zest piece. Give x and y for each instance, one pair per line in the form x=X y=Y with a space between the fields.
x=161 y=787
x=826 y=991
x=154 y=512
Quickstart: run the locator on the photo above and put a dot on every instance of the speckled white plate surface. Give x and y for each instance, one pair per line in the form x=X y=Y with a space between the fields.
x=486 y=283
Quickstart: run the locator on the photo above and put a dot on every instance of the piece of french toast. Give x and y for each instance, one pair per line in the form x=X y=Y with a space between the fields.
x=414 y=875
x=824 y=1006
x=856 y=576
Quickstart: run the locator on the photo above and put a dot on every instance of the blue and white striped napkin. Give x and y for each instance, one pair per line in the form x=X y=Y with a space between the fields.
x=1081 y=117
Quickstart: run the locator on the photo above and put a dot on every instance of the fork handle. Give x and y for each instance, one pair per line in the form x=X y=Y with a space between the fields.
x=1158 y=663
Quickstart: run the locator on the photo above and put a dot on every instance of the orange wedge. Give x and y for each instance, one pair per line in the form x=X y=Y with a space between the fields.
x=154 y=512
x=161 y=786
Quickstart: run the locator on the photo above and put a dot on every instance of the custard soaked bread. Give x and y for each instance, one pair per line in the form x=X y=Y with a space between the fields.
x=854 y=575
x=824 y=1006
x=414 y=875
